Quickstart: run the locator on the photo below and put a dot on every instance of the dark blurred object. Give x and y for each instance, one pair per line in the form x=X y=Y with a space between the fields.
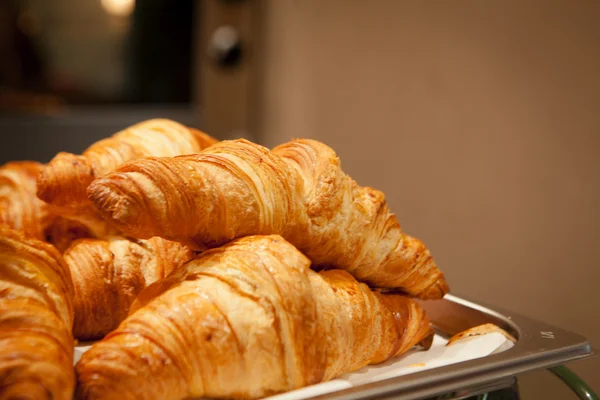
x=225 y=47
x=18 y=101
x=59 y=54
x=160 y=51
x=21 y=66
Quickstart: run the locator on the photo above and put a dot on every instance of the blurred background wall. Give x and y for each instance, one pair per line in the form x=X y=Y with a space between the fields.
x=480 y=121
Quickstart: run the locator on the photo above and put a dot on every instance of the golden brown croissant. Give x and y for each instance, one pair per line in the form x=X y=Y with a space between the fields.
x=20 y=209
x=63 y=182
x=247 y=320
x=109 y=274
x=237 y=188
x=36 y=313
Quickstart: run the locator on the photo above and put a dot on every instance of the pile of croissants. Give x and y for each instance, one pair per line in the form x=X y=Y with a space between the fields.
x=200 y=268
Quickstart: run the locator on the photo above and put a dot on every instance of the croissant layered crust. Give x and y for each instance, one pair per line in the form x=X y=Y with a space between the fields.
x=36 y=315
x=298 y=190
x=246 y=320
x=20 y=209
x=109 y=274
x=63 y=182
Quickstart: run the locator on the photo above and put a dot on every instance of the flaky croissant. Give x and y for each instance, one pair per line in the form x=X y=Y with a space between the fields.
x=247 y=320
x=109 y=274
x=237 y=188
x=36 y=313
x=63 y=182
x=20 y=209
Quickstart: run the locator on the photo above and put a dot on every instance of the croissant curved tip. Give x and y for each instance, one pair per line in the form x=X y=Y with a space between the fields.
x=437 y=290
x=63 y=180
x=107 y=194
x=203 y=139
x=427 y=341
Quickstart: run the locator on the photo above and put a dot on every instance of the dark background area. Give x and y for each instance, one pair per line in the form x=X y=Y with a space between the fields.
x=74 y=72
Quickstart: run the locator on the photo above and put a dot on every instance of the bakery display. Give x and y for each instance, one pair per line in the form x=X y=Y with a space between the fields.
x=200 y=268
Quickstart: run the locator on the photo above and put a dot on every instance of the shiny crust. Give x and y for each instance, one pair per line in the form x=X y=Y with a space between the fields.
x=247 y=320
x=36 y=315
x=109 y=274
x=298 y=190
x=63 y=182
x=20 y=209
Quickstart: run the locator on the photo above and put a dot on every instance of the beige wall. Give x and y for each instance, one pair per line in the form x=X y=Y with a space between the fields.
x=481 y=122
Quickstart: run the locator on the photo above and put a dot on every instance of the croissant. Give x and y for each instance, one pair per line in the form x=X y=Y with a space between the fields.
x=36 y=313
x=63 y=182
x=20 y=209
x=247 y=320
x=109 y=274
x=237 y=188
x=62 y=232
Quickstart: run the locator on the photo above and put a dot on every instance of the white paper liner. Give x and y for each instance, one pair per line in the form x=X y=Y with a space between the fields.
x=438 y=355
x=414 y=360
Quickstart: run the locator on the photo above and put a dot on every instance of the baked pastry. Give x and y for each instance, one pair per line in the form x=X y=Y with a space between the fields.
x=109 y=274
x=63 y=182
x=247 y=320
x=480 y=330
x=20 y=209
x=298 y=190
x=36 y=313
x=62 y=232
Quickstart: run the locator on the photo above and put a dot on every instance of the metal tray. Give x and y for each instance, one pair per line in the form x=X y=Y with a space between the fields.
x=538 y=346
